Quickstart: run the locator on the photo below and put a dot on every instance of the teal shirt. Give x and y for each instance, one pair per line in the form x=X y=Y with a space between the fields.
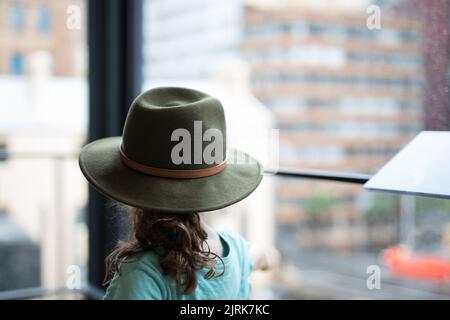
x=142 y=277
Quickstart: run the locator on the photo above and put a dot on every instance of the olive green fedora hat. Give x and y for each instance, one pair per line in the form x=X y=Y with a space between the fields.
x=172 y=156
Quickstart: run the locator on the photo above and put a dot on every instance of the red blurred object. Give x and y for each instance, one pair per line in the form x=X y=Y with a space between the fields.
x=404 y=263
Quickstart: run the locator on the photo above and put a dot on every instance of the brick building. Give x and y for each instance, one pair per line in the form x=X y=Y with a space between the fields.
x=30 y=26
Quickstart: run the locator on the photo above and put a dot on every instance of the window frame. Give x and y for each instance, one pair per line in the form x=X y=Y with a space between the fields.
x=115 y=78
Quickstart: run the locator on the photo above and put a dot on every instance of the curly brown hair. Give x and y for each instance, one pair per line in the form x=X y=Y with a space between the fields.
x=179 y=240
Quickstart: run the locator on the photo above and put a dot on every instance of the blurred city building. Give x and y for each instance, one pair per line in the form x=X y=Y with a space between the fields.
x=190 y=40
x=43 y=121
x=27 y=26
x=346 y=98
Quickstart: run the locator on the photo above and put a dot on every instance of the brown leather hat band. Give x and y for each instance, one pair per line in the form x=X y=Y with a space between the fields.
x=169 y=173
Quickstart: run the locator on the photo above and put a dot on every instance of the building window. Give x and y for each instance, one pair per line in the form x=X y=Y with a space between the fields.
x=44 y=20
x=16 y=64
x=17 y=17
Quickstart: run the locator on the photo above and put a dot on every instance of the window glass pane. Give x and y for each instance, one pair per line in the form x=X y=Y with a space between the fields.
x=333 y=85
x=16 y=16
x=44 y=20
x=16 y=64
x=339 y=242
x=43 y=123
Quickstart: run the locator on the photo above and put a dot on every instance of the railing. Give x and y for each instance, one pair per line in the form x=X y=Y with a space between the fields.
x=357 y=178
x=90 y=292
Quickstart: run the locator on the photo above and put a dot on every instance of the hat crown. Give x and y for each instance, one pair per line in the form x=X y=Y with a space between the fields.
x=175 y=128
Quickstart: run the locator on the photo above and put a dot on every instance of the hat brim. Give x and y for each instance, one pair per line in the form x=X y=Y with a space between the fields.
x=101 y=165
